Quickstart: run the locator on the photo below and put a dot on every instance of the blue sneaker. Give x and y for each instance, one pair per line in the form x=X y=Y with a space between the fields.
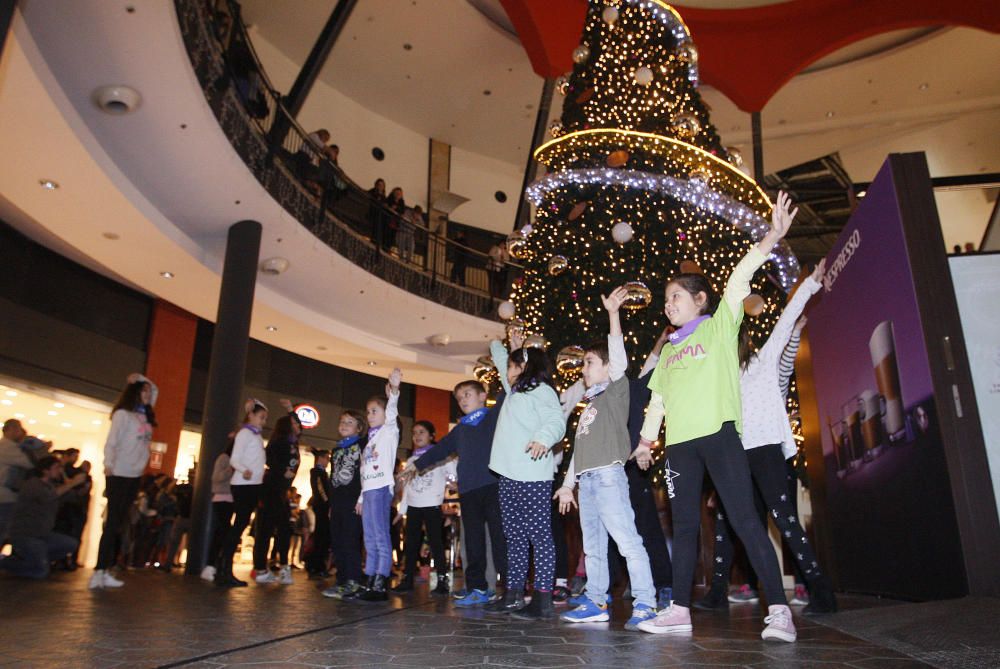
x=582 y=599
x=458 y=594
x=640 y=612
x=587 y=613
x=474 y=598
x=664 y=597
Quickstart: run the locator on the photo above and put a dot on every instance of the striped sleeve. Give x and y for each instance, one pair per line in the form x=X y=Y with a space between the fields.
x=786 y=365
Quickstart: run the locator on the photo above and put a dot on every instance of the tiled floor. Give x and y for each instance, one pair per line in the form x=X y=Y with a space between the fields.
x=161 y=620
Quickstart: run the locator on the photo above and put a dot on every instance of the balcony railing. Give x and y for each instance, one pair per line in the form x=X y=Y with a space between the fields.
x=398 y=248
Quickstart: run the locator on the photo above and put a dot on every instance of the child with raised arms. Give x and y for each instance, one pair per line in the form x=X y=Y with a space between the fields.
x=696 y=387
x=600 y=451
x=531 y=422
x=377 y=464
x=472 y=441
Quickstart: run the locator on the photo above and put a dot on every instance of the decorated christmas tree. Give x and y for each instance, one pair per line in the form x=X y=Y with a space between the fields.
x=638 y=188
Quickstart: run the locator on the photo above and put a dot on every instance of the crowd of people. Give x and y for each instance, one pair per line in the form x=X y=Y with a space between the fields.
x=724 y=405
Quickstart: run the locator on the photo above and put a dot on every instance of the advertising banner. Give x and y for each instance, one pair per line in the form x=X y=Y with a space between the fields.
x=977 y=290
x=888 y=497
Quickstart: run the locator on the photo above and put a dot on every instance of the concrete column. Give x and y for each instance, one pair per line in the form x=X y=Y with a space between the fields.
x=224 y=395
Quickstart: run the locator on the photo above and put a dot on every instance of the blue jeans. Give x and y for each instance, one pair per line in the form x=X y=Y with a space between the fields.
x=375 y=522
x=32 y=555
x=605 y=509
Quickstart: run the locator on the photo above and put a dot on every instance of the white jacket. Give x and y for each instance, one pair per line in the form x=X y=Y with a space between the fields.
x=126 y=451
x=427 y=489
x=248 y=455
x=378 y=460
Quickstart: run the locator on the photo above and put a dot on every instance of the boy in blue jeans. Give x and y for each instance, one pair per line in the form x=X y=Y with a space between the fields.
x=601 y=449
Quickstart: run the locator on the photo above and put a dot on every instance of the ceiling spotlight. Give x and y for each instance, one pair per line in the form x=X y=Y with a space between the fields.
x=95 y=422
x=272 y=328
x=829 y=114
x=11 y=393
x=6 y=403
x=372 y=363
x=117 y=100
x=862 y=193
x=321 y=348
x=58 y=405
x=67 y=424
x=274 y=266
x=167 y=275
x=408 y=47
x=924 y=86
x=53 y=413
x=48 y=184
x=113 y=236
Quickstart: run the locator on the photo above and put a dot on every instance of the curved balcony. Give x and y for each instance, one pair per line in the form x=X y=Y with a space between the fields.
x=312 y=188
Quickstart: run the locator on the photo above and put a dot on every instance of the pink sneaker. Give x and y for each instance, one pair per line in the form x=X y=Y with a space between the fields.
x=779 y=624
x=671 y=620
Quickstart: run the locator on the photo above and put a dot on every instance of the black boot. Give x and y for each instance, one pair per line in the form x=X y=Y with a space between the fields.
x=224 y=577
x=821 y=599
x=442 y=585
x=361 y=589
x=540 y=608
x=405 y=584
x=375 y=593
x=716 y=599
x=513 y=600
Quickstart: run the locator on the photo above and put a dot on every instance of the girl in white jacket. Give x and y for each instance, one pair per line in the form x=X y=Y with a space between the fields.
x=126 y=453
x=248 y=460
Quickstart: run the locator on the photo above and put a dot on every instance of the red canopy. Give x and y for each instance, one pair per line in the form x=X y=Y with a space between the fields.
x=750 y=53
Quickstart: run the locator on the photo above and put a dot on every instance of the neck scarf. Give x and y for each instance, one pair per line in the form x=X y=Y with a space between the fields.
x=347 y=442
x=474 y=418
x=372 y=431
x=417 y=452
x=255 y=430
x=595 y=390
x=686 y=330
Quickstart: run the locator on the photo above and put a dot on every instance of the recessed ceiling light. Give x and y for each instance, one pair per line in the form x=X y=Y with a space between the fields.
x=487 y=92
x=167 y=275
x=6 y=403
x=372 y=363
x=58 y=405
x=321 y=348
x=830 y=114
x=11 y=393
x=53 y=413
x=67 y=424
x=272 y=328
x=48 y=184
x=19 y=415
x=32 y=421
x=862 y=193
x=95 y=422
x=113 y=236
x=924 y=86
x=408 y=47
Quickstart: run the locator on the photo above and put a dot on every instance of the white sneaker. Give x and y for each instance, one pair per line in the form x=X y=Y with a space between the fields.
x=96 y=580
x=208 y=573
x=779 y=624
x=285 y=575
x=266 y=577
x=112 y=582
x=675 y=619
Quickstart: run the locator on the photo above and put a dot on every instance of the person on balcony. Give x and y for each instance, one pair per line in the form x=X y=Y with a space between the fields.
x=397 y=208
x=412 y=219
x=458 y=254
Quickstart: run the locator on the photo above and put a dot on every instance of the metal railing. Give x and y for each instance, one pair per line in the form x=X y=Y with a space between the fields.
x=396 y=244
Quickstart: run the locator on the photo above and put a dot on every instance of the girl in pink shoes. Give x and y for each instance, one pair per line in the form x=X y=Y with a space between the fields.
x=696 y=387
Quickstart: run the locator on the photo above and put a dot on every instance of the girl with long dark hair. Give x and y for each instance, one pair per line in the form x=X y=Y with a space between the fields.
x=126 y=453
x=530 y=424
x=282 y=463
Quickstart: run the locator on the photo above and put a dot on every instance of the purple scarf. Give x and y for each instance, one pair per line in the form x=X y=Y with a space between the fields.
x=686 y=330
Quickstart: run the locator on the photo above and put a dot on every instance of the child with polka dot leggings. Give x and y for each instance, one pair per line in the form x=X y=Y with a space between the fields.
x=530 y=423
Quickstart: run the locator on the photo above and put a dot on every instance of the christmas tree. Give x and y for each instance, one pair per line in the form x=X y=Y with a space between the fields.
x=638 y=188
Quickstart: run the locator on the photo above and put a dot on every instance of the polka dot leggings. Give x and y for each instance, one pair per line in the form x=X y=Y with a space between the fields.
x=526 y=512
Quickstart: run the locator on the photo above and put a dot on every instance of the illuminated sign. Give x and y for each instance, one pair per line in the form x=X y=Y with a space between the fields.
x=308 y=416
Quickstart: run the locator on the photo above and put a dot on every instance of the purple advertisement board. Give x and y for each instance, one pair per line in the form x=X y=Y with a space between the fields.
x=889 y=503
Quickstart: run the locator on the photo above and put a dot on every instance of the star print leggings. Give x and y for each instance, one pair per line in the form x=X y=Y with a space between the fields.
x=775 y=484
x=526 y=515
x=723 y=456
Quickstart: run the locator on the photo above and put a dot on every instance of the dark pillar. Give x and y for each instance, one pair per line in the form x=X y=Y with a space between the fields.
x=6 y=16
x=758 y=148
x=223 y=397
x=296 y=97
x=537 y=137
